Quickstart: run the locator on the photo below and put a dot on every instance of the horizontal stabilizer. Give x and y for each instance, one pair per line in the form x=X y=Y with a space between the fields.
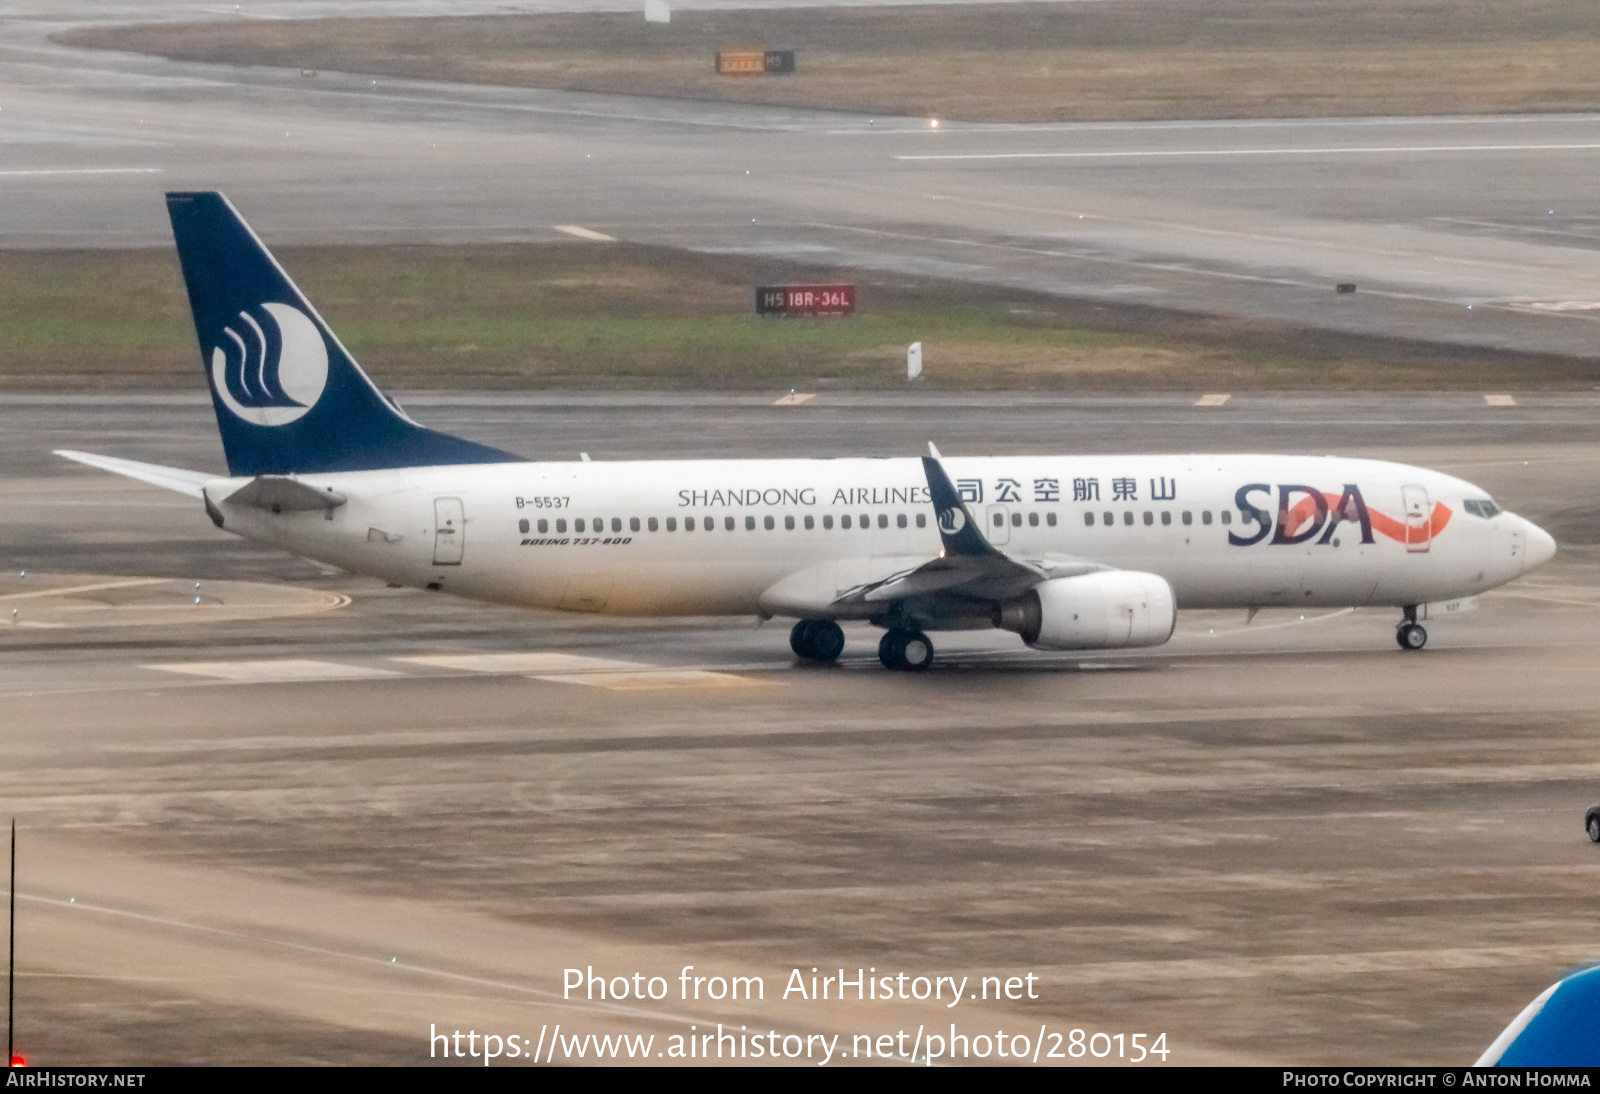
x=285 y=495
x=168 y=478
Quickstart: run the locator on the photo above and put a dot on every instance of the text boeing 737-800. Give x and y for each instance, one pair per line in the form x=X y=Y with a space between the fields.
x=1070 y=552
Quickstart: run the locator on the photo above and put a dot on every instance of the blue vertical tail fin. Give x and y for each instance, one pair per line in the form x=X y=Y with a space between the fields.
x=289 y=397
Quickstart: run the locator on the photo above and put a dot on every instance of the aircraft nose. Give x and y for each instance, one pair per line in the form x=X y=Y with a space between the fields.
x=1541 y=546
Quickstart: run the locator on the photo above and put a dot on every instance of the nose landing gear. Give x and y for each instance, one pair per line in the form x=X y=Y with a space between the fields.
x=1410 y=634
x=818 y=640
x=907 y=651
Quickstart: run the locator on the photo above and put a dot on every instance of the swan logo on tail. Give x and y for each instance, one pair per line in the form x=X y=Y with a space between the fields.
x=270 y=366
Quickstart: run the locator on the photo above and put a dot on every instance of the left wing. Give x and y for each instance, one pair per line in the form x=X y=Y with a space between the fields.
x=968 y=569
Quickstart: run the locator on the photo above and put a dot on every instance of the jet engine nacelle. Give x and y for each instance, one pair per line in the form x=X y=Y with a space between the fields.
x=1109 y=609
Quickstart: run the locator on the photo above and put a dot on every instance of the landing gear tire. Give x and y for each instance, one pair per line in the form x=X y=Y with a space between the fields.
x=905 y=651
x=818 y=640
x=1594 y=829
x=1411 y=636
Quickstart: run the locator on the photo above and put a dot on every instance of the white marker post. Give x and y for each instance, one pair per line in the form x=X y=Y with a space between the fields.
x=913 y=360
x=657 y=11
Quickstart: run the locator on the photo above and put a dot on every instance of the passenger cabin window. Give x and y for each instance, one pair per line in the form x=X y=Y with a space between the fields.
x=866 y=521
x=811 y=522
x=653 y=524
x=1033 y=520
x=672 y=524
x=1166 y=517
x=1127 y=516
x=769 y=524
x=1016 y=520
x=1149 y=518
x=561 y=526
x=522 y=526
x=922 y=520
x=1227 y=516
x=900 y=520
x=577 y=525
x=1188 y=517
x=1050 y=519
x=688 y=524
x=544 y=526
x=1205 y=517
x=844 y=521
x=1107 y=518
x=999 y=520
x=827 y=522
x=616 y=524
x=750 y=524
x=788 y=523
x=883 y=520
x=1088 y=520
x=633 y=524
x=727 y=524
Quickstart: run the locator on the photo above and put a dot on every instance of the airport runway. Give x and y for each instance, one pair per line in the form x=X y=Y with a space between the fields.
x=271 y=813
x=310 y=836
x=1252 y=218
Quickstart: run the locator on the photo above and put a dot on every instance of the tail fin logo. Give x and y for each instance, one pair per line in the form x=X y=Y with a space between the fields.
x=270 y=366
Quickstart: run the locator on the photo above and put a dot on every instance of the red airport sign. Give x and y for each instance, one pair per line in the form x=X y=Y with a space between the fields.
x=805 y=301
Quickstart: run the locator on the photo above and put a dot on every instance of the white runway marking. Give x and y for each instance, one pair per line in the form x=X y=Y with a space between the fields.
x=573 y=668
x=1558 y=306
x=1212 y=400
x=653 y=679
x=273 y=671
x=1499 y=400
x=795 y=398
x=585 y=233
x=81 y=171
x=523 y=662
x=1168 y=153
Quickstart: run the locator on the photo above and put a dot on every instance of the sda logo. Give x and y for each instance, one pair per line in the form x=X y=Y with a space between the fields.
x=270 y=374
x=952 y=521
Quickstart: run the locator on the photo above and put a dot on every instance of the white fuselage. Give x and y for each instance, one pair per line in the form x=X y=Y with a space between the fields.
x=786 y=536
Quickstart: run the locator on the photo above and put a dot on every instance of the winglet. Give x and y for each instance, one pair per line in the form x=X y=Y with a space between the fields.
x=934 y=452
x=957 y=528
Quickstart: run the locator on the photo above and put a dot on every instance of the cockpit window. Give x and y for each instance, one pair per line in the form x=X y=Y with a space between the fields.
x=1481 y=507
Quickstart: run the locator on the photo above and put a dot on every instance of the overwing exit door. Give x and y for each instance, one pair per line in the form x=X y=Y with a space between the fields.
x=998 y=526
x=1419 y=518
x=449 y=531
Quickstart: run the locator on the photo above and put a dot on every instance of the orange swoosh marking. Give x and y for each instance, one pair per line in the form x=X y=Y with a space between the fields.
x=1305 y=509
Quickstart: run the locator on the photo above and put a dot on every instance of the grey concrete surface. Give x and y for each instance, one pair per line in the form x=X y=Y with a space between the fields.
x=1277 y=842
x=1257 y=218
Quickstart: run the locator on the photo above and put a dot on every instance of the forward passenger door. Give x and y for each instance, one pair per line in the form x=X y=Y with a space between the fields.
x=1419 y=518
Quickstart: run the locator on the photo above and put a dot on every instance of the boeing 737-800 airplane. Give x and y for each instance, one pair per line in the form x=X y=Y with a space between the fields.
x=1069 y=552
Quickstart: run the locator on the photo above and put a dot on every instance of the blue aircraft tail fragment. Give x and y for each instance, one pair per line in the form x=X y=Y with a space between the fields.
x=1561 y=1028
x=289 y=398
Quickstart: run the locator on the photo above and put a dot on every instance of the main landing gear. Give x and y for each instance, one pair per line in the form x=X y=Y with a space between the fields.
x=1410 y=634
x=908 y=651
x=818 y=640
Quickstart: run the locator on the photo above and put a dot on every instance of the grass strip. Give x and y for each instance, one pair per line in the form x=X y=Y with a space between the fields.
x=1019 y=62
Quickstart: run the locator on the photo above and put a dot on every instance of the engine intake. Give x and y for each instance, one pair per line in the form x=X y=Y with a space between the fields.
x=1111 y=609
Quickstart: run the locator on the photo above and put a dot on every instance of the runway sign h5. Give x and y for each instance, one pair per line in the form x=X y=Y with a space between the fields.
x=805 y=301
